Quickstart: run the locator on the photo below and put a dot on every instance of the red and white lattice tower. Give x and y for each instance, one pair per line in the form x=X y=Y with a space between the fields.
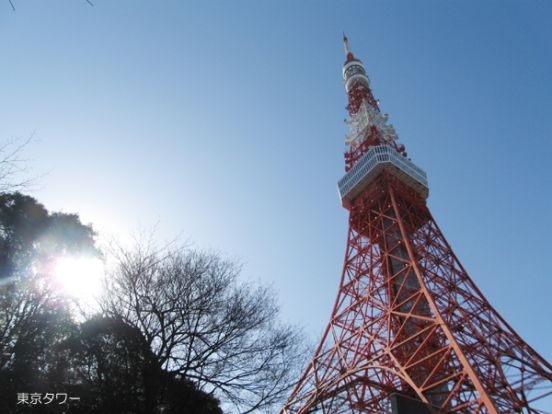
x=410 y=332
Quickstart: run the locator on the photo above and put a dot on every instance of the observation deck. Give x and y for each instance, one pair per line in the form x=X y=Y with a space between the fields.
x=378 y=159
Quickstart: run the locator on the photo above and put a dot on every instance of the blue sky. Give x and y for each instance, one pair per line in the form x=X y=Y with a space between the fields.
x=222 y=122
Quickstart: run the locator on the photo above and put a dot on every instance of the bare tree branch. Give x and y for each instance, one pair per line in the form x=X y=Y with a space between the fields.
x=13 y=166
x=205 y=326
x=13 y=6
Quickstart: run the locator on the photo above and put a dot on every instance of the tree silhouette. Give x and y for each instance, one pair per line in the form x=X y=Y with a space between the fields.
x=34 y=317
x=176 y=331
x=204 y=326
x=115 y=371
x=104 y=361
x=30 y=234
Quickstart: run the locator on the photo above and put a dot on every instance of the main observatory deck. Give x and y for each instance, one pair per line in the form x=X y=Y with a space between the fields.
x=378 y=159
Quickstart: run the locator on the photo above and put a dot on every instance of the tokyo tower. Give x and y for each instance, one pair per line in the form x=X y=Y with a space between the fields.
x=410 y=332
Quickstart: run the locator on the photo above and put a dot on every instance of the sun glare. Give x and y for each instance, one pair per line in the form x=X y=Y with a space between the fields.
x=80 y=278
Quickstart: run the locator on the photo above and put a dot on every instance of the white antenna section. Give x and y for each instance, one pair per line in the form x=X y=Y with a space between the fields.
x=361 y=122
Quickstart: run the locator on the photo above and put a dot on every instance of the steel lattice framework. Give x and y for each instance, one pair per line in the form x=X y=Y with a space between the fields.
x=408 y=320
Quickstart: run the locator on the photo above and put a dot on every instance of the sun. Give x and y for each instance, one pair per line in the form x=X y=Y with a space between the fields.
x=80 y=278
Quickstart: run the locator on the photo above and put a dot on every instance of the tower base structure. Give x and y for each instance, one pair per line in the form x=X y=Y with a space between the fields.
x=406 y=405
x=408 y=321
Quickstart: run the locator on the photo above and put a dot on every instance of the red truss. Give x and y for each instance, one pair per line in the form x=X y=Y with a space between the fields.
x=409 y=320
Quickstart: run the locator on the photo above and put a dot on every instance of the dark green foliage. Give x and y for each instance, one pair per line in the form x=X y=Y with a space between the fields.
x=111 y=364
x=106 y=363
x=33 y=322
x=182 y=396
x=34 y=318
x=28 y=232
x=117 y=373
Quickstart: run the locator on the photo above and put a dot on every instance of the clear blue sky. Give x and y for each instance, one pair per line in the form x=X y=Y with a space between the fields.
x=223 y=121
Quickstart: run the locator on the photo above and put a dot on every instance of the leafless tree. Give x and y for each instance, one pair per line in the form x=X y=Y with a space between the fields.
x=205 y=326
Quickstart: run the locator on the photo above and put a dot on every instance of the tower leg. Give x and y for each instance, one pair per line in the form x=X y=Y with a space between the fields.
x=409 y=332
